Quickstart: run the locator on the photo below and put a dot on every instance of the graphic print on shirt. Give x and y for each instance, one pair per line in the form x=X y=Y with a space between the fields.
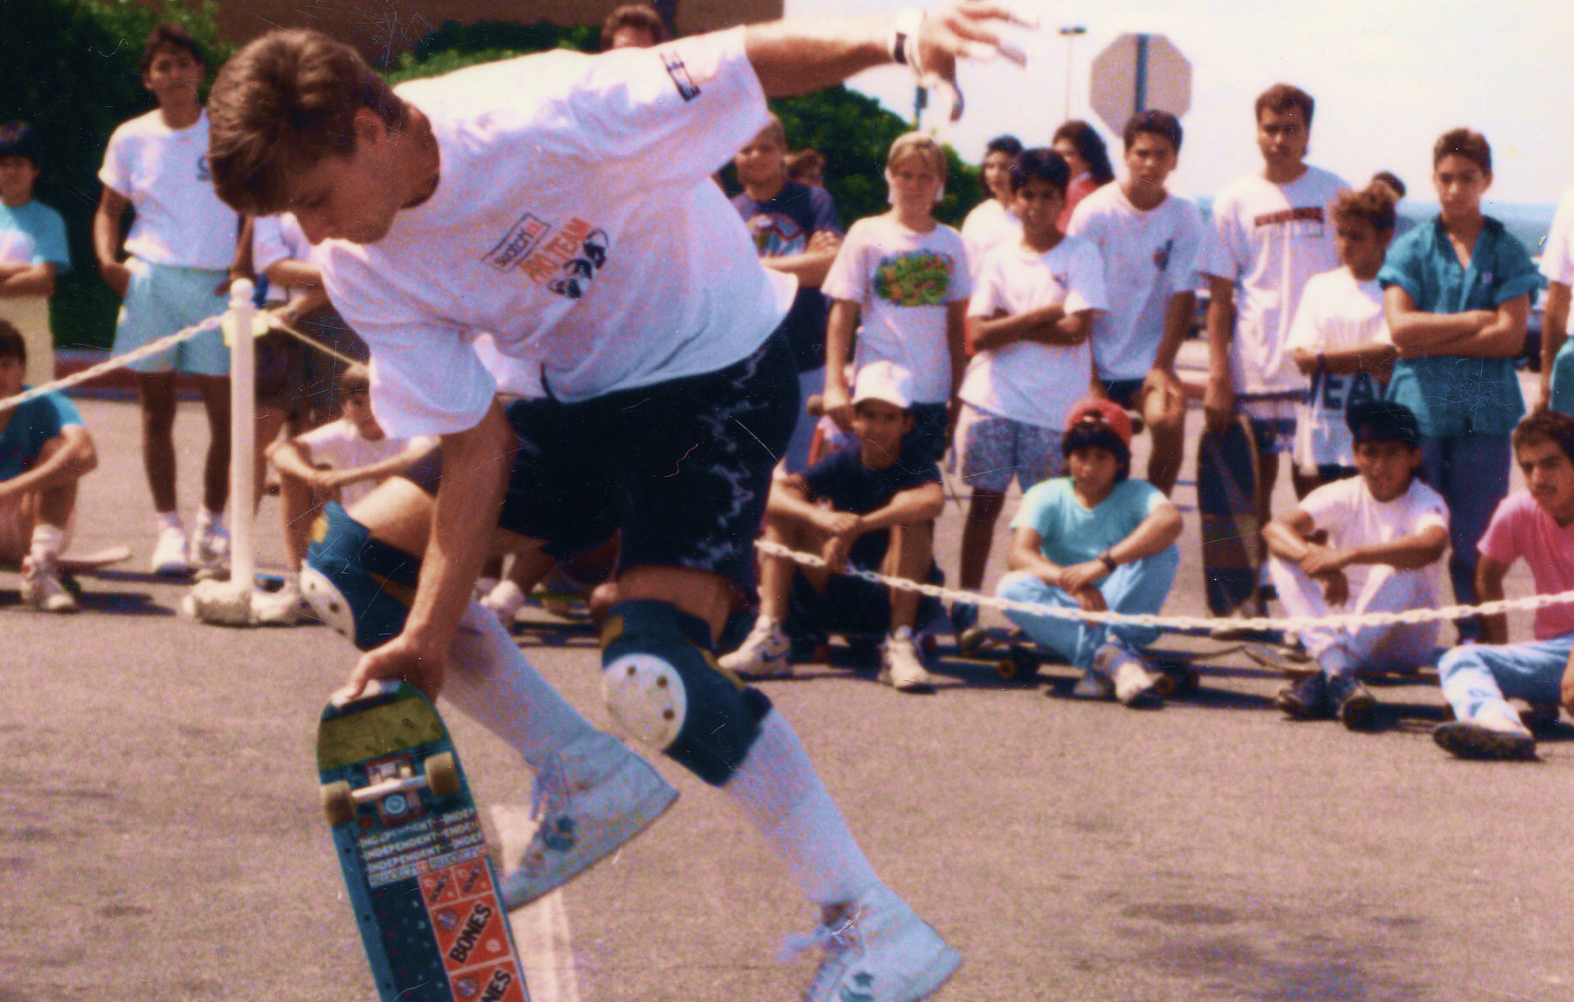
x=204 y=174
x=1335 y=392
x=777 y=235
x=1302 y=221
x=1161 y=257
x=564 y=261
x=922 y=278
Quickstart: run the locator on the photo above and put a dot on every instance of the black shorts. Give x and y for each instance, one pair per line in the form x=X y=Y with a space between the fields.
x=683 y=468
x=852 y=606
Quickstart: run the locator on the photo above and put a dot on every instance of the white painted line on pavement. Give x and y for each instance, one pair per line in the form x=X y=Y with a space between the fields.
x=541 y=928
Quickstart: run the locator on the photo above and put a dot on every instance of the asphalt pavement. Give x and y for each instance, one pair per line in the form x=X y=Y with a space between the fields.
x=162 y=837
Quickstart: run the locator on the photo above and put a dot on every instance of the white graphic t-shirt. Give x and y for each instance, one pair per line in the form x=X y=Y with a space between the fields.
x=1149 y=257
x=163 y=172
x=576 y=222
x=1027 y=381
x=1269 y=239
x=902 y=280
x=1336 y=312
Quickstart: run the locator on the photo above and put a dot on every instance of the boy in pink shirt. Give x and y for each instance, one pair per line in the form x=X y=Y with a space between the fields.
x=1537 y=525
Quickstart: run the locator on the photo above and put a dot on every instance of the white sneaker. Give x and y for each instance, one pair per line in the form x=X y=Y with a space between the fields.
x=42 y=590
x=210 y=547
x=878 y=950
x=900 y=666
x=285 y=607
x=763 y=653
x=592 y=798
x=505 y=600
x=169 y=553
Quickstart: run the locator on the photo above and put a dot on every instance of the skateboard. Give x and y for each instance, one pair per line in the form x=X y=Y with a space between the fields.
x=1227 y=476
x=1296 y=664
x=410 y=843
x=87 y=563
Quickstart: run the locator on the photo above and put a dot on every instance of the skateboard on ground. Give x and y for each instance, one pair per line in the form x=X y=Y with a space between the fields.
x=1296 y=664
x=1227 y=477
x=87 y=563
x=414 y=857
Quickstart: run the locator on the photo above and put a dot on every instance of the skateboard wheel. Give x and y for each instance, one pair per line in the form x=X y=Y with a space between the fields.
x=972 y=640
x=338 y=803
x=1006 y=668
x=442 y=774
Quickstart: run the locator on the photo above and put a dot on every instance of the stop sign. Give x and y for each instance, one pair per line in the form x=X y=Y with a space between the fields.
x=1138 y=72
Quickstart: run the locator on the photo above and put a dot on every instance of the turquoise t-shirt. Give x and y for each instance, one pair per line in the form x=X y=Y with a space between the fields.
x=32 y=424
x=1452 y=395
x=1073 y=534
x=46 y=228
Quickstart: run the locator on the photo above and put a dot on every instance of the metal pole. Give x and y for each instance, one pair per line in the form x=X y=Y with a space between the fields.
x=1140 y=91
x=1070 y=31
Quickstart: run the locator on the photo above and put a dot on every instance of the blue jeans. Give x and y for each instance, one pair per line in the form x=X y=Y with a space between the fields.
x=1483 y=677
x=1471 y=472
x=1137 y=588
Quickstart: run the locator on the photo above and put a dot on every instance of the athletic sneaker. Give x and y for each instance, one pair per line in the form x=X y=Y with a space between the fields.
x=1354 y=705
x=1486 y=737
x=210 y=547
x=169 y=553
x=900 y=666
x=42 y=590
x=590 y=800
x=878 y=950
x=1306 y=699
x=505 y=600
x=285 y=607
x=763 y=653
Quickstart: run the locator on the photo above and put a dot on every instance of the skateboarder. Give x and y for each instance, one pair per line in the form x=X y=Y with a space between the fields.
x=563 y=203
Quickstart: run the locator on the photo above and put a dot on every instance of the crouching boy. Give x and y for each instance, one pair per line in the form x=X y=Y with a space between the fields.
x=859 y=508
x=1371 y=543
x=1098 y=541
x=44 y=451
x=1536 y=525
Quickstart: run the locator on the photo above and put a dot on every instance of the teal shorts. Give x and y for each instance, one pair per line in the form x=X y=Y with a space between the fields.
x=163 y=299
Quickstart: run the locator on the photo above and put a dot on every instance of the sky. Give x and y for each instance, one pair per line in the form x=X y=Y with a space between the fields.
x=1388 y=76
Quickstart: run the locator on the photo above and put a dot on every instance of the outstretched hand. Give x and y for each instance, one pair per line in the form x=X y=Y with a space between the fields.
x=961 y=29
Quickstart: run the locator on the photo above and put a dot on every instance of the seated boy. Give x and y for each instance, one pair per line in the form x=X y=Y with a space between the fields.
x=860 y=508
x=1098 y=541
x=44 y=451
x=343 y=460
x=1370 y=543
x=1536 y=524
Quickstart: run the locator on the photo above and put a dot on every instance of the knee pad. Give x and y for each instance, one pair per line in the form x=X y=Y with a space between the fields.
x=663 y=686
x=358 y=585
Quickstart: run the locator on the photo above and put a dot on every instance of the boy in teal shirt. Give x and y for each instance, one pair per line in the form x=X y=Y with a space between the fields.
x=1456 y=295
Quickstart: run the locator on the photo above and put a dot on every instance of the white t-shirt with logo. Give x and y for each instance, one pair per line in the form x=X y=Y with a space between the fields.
x=163 y=173
x=902 y=281
x=1026 y=381
x=575 y=221
x=1149 y=256
x=1336 y=312
x=989 y=225
x=1352 y=517
x=340 y=445
x=1269 y=239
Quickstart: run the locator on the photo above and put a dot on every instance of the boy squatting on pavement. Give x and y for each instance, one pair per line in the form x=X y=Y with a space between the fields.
x=863 y=506
x=1369 y=543
x=666 y=428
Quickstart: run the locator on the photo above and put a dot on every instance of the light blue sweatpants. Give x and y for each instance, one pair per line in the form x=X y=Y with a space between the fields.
x=1483 y=677
x=1137 y=588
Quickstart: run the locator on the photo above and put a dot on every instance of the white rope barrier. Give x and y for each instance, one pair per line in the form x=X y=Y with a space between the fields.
x=164 y=343
x=1349 y=621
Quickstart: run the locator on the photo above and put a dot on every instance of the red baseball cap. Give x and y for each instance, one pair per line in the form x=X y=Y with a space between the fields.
x=1097 y=410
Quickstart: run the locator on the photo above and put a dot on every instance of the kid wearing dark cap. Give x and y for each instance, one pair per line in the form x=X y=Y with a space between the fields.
x=1371 y=543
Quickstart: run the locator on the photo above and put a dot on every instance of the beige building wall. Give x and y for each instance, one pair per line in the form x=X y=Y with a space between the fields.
x=383 y=28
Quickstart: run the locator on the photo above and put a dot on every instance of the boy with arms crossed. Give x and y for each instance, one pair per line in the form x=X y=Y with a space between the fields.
x=562 y=189
x=1098 y=541
x=44 y=451
x=859 y=508
x=181 y=244
x=1370 y=543
x=1456 y=293
x=1339 y=338
x=1537 y=526
x=904 y=275
x=1148 y=240
x=1027 y=330
x=1270 y=234
x=40 y=250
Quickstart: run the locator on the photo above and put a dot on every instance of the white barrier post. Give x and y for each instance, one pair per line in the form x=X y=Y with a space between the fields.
x=243 y=433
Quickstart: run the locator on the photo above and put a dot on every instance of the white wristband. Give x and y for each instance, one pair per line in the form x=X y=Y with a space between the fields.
x=904 y=37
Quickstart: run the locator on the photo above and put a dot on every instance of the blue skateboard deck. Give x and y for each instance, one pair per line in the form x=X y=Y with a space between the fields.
x=1227 y=475
x=414 y=857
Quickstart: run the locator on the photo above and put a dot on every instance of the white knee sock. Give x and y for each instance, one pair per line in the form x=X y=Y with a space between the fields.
x=47 y=542
x=778 y=789
x=490 y=681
